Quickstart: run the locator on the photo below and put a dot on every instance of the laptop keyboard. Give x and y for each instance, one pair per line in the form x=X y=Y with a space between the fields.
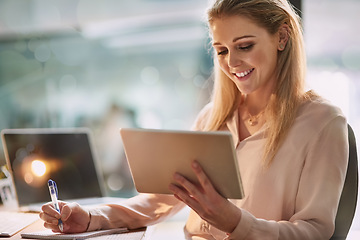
x=13 y=222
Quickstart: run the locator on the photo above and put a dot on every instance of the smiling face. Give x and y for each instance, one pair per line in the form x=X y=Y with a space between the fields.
x=246 y=53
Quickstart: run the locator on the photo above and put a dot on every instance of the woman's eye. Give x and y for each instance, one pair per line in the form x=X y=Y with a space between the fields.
x=223 y=52
x=242 y=47
x=246 y=47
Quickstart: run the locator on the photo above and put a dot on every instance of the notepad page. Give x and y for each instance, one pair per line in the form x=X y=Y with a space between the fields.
x=48 y=234
x=122 y=236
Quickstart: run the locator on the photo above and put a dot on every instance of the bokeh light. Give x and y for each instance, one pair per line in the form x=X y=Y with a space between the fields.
x=38 y=168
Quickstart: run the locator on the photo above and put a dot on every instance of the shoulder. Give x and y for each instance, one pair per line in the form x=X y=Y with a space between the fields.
x=319 y=124
x=318 y=114
x=319 y=110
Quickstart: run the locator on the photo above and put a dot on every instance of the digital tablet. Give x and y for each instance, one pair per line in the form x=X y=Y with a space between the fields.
x=155 y=155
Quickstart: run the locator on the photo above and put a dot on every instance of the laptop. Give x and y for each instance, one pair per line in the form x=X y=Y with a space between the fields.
x=154 y=156
x=66 y=156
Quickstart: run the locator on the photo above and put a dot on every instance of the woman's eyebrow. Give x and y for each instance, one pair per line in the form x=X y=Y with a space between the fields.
x=235 y=39
x=242 y=37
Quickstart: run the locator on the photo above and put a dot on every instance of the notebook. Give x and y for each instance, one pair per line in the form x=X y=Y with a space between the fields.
x=48 y=234
x=66 y=156
x=144 y=233
x=155 y=155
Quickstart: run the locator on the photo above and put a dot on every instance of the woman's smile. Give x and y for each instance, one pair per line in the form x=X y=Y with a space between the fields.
x=244 y=74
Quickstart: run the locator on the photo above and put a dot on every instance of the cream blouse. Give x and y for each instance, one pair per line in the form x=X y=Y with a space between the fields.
x=295 y=198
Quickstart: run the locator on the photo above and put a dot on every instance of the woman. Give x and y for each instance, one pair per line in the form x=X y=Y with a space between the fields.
x=291 y=144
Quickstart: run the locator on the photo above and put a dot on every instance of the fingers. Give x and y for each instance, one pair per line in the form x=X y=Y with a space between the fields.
x=188 y=186
x=51 y=217
x=205 y=200
x=202 y=177
x=196 y=191
x=184 y=196
x=197 y=196
x=66 y=211
x=48 y=212
x=74 y=217
x=53 y=227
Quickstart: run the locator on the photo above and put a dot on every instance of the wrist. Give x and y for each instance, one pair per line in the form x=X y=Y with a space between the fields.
x=234 y=221
x=89 y=217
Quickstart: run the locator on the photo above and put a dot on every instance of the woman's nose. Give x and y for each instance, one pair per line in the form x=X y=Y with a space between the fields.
x=233 y=59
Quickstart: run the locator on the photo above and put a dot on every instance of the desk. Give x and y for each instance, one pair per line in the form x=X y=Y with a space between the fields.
x=38 y=226
x=163 y=231
x=170 y=229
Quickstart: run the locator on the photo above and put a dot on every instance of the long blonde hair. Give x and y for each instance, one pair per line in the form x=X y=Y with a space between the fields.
x=291 y=68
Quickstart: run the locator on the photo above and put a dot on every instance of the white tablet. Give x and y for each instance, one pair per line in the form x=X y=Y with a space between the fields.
x=155 y=155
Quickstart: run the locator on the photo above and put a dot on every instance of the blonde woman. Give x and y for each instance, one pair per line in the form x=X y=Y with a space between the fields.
x=291 y=144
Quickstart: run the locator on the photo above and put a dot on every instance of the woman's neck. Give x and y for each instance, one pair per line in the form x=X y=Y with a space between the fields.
x=255 y=103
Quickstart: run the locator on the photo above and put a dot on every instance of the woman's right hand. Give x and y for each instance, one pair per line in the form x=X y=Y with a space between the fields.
x=74 y=217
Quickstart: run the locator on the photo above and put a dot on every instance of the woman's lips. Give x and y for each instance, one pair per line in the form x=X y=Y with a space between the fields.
x=241 y=75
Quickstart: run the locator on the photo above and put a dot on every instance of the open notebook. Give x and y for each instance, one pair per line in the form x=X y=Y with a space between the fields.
x=65 y=155
x=48 y=234
x=110 y=234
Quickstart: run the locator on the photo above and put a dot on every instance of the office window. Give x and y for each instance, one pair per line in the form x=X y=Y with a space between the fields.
x=103 y=66
x=332 y=46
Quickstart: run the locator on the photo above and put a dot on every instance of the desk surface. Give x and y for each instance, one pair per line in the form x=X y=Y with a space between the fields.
x=171 y=229
x=163 y=231
x=38 y=226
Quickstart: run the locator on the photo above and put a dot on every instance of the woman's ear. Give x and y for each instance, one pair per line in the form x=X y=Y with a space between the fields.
x=283 y=34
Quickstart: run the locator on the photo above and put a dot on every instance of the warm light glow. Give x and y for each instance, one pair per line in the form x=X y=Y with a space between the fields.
x=38 y=168
x=28 y=178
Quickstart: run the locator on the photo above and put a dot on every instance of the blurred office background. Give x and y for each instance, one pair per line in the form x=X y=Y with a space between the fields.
x=143 y=63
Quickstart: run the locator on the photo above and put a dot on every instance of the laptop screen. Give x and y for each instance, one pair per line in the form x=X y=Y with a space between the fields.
x=35 y=156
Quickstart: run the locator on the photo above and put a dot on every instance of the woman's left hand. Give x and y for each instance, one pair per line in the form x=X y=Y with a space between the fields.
x=206 y=201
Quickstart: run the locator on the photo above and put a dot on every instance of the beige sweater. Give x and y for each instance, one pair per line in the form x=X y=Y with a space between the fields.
x=295 y=198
